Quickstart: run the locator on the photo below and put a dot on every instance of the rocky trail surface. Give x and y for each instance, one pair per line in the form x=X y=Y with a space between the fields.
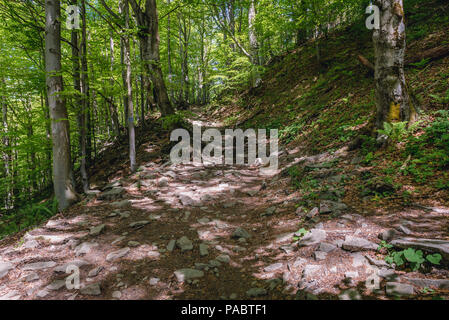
x=220 y=232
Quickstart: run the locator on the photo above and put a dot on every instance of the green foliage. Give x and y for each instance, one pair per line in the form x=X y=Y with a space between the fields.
x=300 y=234
x=411 y=258
x=174 y=121
x=26 y=217
x=394 y=131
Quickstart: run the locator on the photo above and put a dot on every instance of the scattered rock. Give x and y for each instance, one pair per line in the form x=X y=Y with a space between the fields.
x=204 y=249
x=223 y=258
x=188 y=274
x=399 y=289
x=312 y=213
x=31 y=277
x=229 y=204
x=313 y=237
x=376 y=262
x=121 y=204
x=139 y=224
x=39 y=265
x=4 y=268
x=387 y=235
x=76 y=263
x=93 y=289
x=117 y=254
x=273 y=267
x=358 y=244
x=95 y=272
x=85 y=248
x=350 y=294
x=240 y=233
x=133 y=244
x=441 y=284
x=326 y=247
x=334 y=207
x=404 y=230
x=269 y=212
x=256 y=292
x=320 y=255
x=116 y=294
x=171 y=245
x=114 y=193
x=184 y=243
x=56 y=285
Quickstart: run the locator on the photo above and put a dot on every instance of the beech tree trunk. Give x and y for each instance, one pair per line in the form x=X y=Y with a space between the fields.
x=62 y=170
x=149 y=37
x=254 y=44
x=127 y=83
x=392 y=99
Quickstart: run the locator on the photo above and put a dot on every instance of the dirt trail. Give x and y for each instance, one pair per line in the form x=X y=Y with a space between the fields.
x=172 y=232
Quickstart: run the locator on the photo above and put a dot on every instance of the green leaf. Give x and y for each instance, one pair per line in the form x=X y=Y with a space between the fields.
x=434 y=258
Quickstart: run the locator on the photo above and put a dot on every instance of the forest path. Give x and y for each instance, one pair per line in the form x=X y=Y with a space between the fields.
x=210 y=232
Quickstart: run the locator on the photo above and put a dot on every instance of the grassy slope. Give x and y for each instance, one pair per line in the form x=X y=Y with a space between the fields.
x=323 y=111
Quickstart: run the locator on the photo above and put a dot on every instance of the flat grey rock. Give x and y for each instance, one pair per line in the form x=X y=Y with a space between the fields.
x=95 y=231
x=56 y=285
x=240 y=233
x=121 y=204
x=85 y=248
x=358 y=244
x=171 y=245
x=326 y=247
x=224 y=258
x=77 y=263
x=93 y=289
x=313 y=237
x=442 y=284
x=112 y=194
x=95 y=272
x=320 y=255
x=188 y=274
x=139 y=224
x=184 y=243
x=350 y=294
x=4 y=268
x=399 y=289
x=204 y=249
x=117 y=254
x=39 y=265
x=274 y=267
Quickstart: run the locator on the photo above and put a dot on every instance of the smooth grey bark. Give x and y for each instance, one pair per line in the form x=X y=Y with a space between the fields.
x=112 y=107
x=79 y=106
x=254 y=44
x=127 y=83
x=392 y=98
x=148 y=25
x=60 y=130
x=6 y=155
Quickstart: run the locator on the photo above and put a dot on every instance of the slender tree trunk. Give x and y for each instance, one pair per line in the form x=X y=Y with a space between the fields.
x=392 y=99
x=112 y=107
x=62 y=170
x=127 y=82
x=254 y=44
x=6 y=155
x=79 y=106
